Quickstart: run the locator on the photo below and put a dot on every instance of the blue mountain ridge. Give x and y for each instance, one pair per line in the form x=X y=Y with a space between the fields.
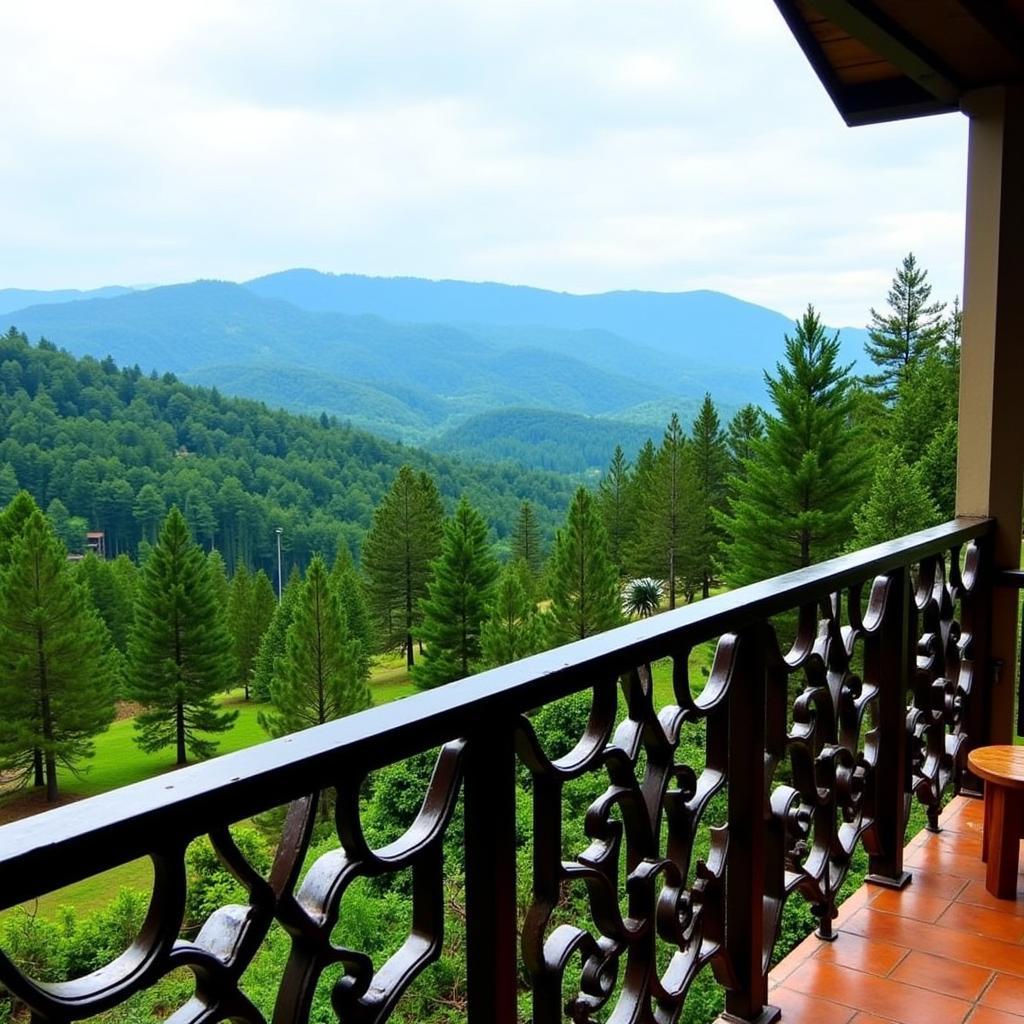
x=414 y=359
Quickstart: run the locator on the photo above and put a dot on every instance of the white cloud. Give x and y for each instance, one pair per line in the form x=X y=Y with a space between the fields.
x=565 y=144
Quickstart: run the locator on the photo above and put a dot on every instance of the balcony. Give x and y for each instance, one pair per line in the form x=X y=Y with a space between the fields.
x=838 y=698
x=943 y=949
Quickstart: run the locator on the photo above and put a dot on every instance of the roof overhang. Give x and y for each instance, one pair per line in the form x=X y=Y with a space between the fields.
x=885 y=60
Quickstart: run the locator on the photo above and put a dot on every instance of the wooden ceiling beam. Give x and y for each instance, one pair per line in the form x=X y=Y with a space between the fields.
x=995 y=18
x=876 y=30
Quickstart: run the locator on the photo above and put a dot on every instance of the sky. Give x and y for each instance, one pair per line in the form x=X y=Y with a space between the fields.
x=579 y=145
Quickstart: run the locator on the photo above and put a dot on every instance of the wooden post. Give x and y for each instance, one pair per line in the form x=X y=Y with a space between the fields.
x=748 y=813
x=990 y=466
x=490 y=836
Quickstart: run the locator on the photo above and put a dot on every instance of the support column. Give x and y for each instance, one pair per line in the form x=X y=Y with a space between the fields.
x=990 y=463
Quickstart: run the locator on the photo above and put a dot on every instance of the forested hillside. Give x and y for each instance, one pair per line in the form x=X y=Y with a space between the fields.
x=413 y=359
x=115 y=448
x=558 y=441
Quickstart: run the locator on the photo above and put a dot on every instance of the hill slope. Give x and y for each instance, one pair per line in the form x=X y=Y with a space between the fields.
x=118 y=447
x=559 y=441
x=19 y=298
x=207 y=326
x=706 y=327
x=413 y=360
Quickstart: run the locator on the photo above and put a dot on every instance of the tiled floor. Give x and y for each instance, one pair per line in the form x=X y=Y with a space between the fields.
x=942 y=951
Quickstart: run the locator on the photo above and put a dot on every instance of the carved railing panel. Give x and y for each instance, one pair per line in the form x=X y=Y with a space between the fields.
x=836 y=697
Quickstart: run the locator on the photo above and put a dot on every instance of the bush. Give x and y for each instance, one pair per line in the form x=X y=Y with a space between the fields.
x=210 y=884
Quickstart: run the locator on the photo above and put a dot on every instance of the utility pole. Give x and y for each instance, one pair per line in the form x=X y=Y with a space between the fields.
x=280 y=587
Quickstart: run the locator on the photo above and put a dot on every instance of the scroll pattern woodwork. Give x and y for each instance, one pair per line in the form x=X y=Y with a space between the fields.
x=946 y=601
x=642 y=828
x=230 y=938
x=808 y=751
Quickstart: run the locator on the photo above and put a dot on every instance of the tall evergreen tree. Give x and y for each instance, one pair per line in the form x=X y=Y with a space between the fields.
x=272 y=644
x=526 y=546
x=179 y=655
x=404 y=539
x=8 y=483
x=148 y=509
x=898 y=502
x=56 y=668
x=746 y=427
x=615 y=502
x=250 y=607
x=350 y=592
x=665 y=543
x=70 y=530
x=318 y=678
x=12 y=521
x=458 y=595
x=584 y=585
x=710 y=457
x=109 y=596
x=795 y=505
x=512 y=629
x=636 y=554
x=906 y=332
x=219 y=578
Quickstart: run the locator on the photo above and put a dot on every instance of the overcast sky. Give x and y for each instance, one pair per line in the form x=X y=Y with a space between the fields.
x=583 y=145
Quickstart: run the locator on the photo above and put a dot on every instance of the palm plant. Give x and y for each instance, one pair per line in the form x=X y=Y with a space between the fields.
x=642 y=597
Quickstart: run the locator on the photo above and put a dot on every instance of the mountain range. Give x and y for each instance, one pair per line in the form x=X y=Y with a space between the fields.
x=478 y=369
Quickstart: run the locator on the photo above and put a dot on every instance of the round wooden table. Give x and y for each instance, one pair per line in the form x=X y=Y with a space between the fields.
x=1002 y=768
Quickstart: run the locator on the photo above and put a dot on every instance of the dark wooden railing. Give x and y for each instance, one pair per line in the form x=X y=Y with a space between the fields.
x=807 y=753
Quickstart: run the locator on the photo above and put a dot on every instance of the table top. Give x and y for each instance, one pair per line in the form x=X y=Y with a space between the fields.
x=1001 y=764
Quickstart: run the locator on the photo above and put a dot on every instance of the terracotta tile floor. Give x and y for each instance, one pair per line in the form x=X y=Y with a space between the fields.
x=942 y=951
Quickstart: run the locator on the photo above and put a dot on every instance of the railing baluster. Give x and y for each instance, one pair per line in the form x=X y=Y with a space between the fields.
x=976 y=619
x=748 y=814
x=888 y=665
x=490 y=835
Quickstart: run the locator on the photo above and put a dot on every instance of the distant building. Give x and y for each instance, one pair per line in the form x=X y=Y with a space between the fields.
x=95 y=541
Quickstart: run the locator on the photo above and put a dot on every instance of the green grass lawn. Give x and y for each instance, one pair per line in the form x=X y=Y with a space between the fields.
x=119 y=762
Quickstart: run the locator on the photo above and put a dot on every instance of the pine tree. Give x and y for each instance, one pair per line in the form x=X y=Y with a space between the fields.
x=635 y=555
x=910 y=329
x=897 y=503
x=710 y=457
x=148 y=509
x=272 y=644
x=106 y=590
x=8 y=483
x=404 y=539
x=937 y=466
x=795 y=505
x=512 y=629
x=219 y=578
x=56 y=668
x=615 y=502
x=12 y=522
x=526 y=546
x=250 y=607
x=179 y=653
x=458 y=595
x=350 y=592
x=239 y=600
x=665 y=544
x=746 y=427
x=584 y=586
x=318 y=678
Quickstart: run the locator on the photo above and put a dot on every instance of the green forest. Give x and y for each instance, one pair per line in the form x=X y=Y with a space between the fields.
x=113 y=449
x=393 y=554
